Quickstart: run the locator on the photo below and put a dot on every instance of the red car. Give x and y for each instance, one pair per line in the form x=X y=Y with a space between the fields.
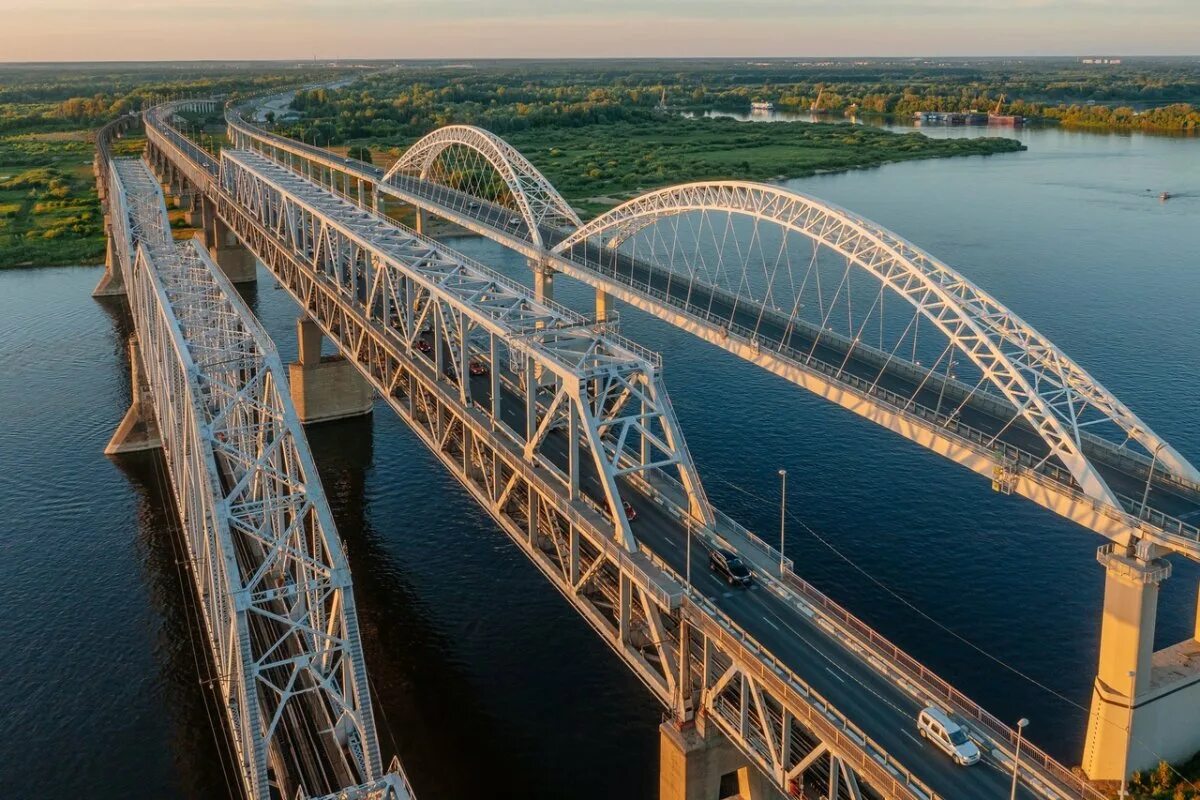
x=630 y=511
x=424 y=346
x=478 y=369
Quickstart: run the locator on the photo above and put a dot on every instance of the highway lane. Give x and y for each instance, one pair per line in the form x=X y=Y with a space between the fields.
x=885 y=712
x=877 y=705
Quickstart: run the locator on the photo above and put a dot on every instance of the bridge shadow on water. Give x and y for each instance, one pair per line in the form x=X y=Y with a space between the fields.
x=444 y=604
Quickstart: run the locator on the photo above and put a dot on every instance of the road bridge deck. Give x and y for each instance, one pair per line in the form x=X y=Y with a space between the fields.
x=773 y=618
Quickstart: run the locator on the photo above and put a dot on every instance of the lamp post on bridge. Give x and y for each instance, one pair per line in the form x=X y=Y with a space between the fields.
x=782 y=516
x=1021 y=723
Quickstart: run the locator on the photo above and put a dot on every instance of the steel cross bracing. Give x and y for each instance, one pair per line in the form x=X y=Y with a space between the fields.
x=633 y=601
x=589 y=379
x=269 y=571
x=785 y=725
x=1038 y=378
x=1027 y=377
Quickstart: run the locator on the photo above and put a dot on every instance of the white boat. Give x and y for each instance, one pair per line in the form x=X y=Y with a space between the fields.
x=759 y=105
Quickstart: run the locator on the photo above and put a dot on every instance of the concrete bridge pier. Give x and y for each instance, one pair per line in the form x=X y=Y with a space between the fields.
x=138 y=429
x=112 y=283
x=325 y=389
x=697 y=762
x=543 y=281
x=1144 y=703
x=234 y=259
x=603 y=304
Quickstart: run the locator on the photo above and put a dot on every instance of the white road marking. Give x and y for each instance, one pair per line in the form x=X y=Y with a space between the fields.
x=772 y=624
x=915 y=739
x=834 y=674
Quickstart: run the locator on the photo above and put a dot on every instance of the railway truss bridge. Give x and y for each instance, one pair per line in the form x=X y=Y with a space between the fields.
x=563 y=430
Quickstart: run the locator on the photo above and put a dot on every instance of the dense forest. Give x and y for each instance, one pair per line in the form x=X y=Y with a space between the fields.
x=505 y=97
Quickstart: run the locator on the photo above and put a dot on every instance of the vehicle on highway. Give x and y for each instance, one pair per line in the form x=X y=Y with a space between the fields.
x=727 y=564
x=947 y=735
x=514 y=222
x=424 y=346
x=630 y=511
x=478 y=369
x=473 y=204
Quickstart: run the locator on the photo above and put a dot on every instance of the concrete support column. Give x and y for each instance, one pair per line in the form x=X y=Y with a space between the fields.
x=112 y=282
x=1125 y=676
x=697 y=762
x=223 y=245
x=419 y=223
x=543 y=282
x=603 y=304
x=138 y=429
x=328 y=388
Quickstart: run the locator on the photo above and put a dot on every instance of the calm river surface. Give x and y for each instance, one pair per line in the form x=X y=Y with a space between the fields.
x=487 y=683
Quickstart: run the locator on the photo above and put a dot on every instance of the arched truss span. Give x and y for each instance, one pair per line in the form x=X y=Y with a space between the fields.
x=1045 y=387
x=538 y=202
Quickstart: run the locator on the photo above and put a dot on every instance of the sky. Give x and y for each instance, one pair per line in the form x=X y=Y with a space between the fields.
x=110 y=30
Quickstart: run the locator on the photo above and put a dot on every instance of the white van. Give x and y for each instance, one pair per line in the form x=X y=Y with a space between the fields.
x=947 y=735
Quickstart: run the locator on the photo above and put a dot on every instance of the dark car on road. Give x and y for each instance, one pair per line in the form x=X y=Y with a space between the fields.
x=726 y=564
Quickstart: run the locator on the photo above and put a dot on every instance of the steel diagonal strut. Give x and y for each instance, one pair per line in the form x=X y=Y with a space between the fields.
x=411 y=313
x=1034 y=379
x=274 y=587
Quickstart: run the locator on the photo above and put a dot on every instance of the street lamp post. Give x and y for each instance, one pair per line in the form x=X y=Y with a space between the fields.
x=1021 y=723
x=782 y=516
x=688 y=567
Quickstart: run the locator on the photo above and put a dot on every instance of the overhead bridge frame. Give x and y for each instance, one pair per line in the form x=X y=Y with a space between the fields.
x=691 y=654
x=687 y=652
x=271 y=578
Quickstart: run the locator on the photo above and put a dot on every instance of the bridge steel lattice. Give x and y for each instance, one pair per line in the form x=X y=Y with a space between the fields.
x=367 y=282
x=1023 y=422
x=270 y=575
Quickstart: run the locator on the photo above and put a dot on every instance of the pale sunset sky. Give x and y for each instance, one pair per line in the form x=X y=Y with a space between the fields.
x=84 y=30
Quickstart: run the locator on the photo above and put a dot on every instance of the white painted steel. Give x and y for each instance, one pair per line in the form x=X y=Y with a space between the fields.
x=1041 y=382
x=269 y=570
x=538 y=201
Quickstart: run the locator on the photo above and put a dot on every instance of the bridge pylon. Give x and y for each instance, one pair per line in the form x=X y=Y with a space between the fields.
x=1144 y=703
x=325 y=388
x=697 y=762
x=138 y=429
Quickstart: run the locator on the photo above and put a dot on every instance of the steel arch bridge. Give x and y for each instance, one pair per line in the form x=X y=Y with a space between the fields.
x=1044 y=385
x=538 y=202
x=1027 y=420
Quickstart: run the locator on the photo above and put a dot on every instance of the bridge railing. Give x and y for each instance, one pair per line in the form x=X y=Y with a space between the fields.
x=1037 y=468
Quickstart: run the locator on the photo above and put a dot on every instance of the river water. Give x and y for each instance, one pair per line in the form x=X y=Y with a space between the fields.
x=486 y=682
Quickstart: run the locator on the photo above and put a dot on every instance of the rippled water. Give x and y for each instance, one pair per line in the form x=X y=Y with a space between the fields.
x=486 y=681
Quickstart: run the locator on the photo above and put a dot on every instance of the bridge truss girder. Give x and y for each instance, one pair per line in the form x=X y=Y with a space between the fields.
x=272 y=581
x=630 y=598
x=567 y=373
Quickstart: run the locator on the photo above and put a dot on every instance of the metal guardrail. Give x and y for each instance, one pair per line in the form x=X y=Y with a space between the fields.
x=881 y=770
x=1038 y=469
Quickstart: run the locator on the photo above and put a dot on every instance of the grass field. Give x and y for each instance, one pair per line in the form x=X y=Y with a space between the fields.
x=594 y=165
x=49 y=213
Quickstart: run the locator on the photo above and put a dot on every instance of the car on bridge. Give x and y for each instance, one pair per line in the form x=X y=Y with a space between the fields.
x=947 y=735
x=630 y=511
x=727 y=564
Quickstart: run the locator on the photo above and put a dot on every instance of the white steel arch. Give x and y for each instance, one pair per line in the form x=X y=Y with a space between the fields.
x=1046 y=387
x=538 y=201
